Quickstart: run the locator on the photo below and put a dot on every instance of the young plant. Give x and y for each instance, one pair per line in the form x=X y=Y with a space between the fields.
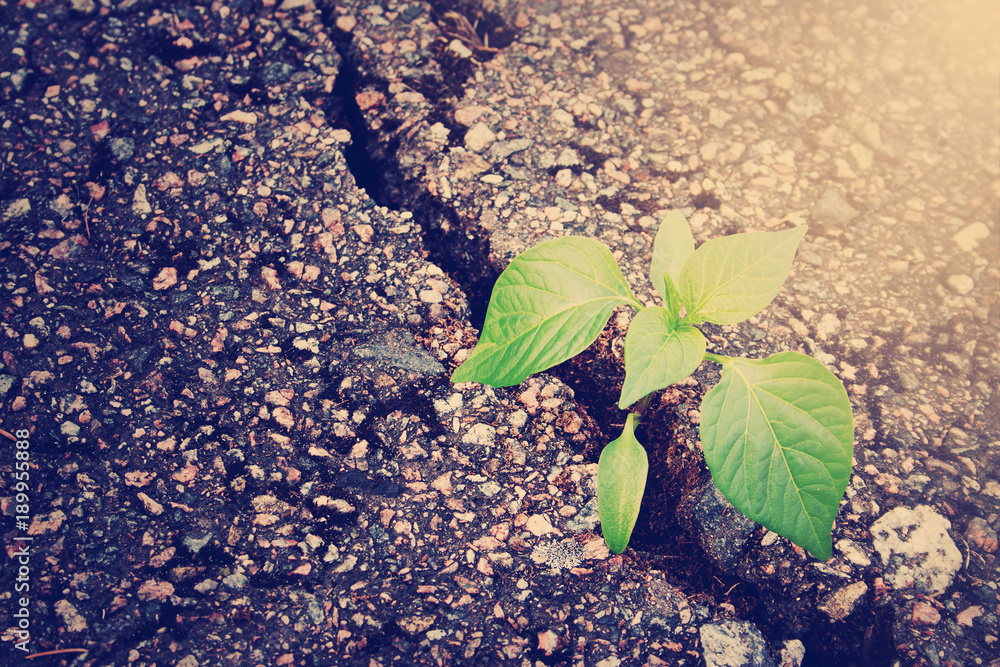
x=777 y=433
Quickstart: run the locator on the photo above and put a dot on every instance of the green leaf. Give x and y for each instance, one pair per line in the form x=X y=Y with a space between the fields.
x=621 y=480
x=548 y=305
x=672 y=300
x=671 y=248
x=731 y=278
x=778 y=435
x=658 y=352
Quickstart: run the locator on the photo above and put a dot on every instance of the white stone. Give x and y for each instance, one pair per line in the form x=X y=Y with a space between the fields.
x=479 y=138
x=961 y=284
x=140 y=205
x=732 y=644
x=916 y=549
x=862 y=156
x=719 y=118
x=968 y=237
x=480 y=434
x=17 y=209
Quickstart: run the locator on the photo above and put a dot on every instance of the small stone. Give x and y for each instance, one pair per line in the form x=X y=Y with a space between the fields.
x=479 y=138
x=270 y=277
x=968 y=237
x=805 y=105
x=70 y=616
x=719 y=118
x=916 y=549
x=538 y=525
x=284 y=417
x=981 y=535
x=784 y=81
x=482 y=435
x=70 y=429
x=862 y=156
x=839 y=604
x=459 y=48
x=961 y=284
x=731 y=643
x=548 y=641
x=431 y=296
x=967 y=616
x=122 y=148
x=468 y=115
x=824 y=34
x=140 y=205
x=793 y=652
x=443 y=484
x=17 y=209
x=853 y=552
x=195 y=544
x=30 y=341
x=165 y=279
x=206 y=586
x=151 y=505
x=346 y=23
x=833 y=209
x=925 y=614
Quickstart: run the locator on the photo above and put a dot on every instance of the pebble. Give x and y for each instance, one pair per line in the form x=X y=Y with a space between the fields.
x=925 y=614
x=968 y=616
x=719 y=118
x=140 y=205
x=482 y=435
x=70 y=616
x=805 y=105
x=468 y=115
x=346 y=23
x=731 y=643
x=151 y=505
x=30 y=341
x=284 y=417
x=165 y=279
x=122 y=148
x=862 y=156
x=961 y=284
x=916 y=549
x=843 y=601
x=538 y=525
x=968 y=237
x=833 y=208
x=982 y=535
x=431 y=296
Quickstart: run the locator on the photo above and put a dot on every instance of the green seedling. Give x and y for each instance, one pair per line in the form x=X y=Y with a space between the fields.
x=777 y=432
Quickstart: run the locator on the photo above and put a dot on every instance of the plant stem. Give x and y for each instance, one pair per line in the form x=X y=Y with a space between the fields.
x=641 y=406
x=716 y=358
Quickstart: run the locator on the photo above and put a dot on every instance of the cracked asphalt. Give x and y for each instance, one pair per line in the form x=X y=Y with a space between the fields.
x=245 y=244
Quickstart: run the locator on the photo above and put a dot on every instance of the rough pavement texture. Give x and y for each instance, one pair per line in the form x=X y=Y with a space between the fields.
x=233 y=363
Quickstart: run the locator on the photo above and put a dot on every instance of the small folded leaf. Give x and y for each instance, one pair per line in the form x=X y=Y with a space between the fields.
x=731 y=278
x=621 y=480
x=778 y=436
x=672 y=300
x=548 y=305
x=671 y=248
x=658 y=353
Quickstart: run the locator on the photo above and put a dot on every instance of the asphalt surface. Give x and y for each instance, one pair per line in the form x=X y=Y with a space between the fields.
x=244 y=245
